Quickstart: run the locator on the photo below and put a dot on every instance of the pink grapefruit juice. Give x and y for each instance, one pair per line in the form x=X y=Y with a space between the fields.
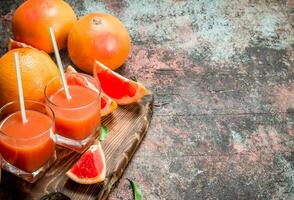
x=27 y=146
x=78 y=117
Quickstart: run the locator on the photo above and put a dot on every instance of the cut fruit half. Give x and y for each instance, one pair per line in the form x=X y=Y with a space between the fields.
x=13 y=44
x=119 y=88
x=90 y=168
x=107 y=104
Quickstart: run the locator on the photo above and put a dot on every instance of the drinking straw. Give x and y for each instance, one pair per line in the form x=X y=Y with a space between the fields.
x=20 y=91
x=59 y=63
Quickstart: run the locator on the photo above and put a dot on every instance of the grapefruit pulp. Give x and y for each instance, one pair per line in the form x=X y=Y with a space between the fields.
x=117 y=87
x=90 y=168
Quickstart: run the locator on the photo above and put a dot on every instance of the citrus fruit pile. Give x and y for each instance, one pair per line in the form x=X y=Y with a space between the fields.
x=97 y=43
x=98 y=36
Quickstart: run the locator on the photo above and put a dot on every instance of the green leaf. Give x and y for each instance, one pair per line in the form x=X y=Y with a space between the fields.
x=136 y=190
x=103 y=133
x=134 y=78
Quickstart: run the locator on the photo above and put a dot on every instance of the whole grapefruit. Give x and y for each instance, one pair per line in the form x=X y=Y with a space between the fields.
x=37 y=69
x=32 y=19
x=98 y=36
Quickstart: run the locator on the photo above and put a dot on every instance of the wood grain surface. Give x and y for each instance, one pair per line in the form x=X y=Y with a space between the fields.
x=127 y=127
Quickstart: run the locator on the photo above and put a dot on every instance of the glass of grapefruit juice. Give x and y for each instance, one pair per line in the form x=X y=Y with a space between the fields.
x=27 y=149
x=77 y=119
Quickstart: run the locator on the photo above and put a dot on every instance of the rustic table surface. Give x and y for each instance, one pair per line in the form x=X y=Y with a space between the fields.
x=223 y=78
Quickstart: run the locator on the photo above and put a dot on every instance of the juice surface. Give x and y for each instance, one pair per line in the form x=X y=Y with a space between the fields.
x=29 y=145
x=81 y=96
x=79 y=116
x=36 y=124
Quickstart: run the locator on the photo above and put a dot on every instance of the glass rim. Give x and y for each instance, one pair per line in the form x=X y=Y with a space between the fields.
x=77 y=107
x=52 y=118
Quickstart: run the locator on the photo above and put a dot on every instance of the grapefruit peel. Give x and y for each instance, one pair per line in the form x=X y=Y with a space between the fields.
x=13 y=44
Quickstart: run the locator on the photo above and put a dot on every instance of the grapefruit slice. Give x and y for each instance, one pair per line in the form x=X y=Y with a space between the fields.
x=13 y=44
x=107 y=104
x=70 y=69
x=119 y=88
x=90 y=168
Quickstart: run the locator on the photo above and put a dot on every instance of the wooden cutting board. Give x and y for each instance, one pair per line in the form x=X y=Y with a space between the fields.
x=127 y=127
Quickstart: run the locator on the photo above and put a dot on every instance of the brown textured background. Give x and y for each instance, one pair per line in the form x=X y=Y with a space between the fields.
x=222 y=75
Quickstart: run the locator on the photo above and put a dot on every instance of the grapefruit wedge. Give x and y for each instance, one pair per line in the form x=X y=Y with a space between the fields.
x=119 y=88
x=90 y=168
x=13 y=44
x=107 y=104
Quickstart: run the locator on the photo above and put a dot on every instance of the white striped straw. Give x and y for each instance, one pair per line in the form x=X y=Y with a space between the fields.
x=20 y=91
x=59 y=63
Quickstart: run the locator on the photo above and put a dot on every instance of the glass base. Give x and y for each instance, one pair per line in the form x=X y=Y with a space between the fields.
x=77 y=145
x=27 y=176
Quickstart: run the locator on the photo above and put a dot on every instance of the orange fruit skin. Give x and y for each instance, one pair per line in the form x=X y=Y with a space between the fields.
x=98 y=36
x=32 y=19
x=37 y=69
